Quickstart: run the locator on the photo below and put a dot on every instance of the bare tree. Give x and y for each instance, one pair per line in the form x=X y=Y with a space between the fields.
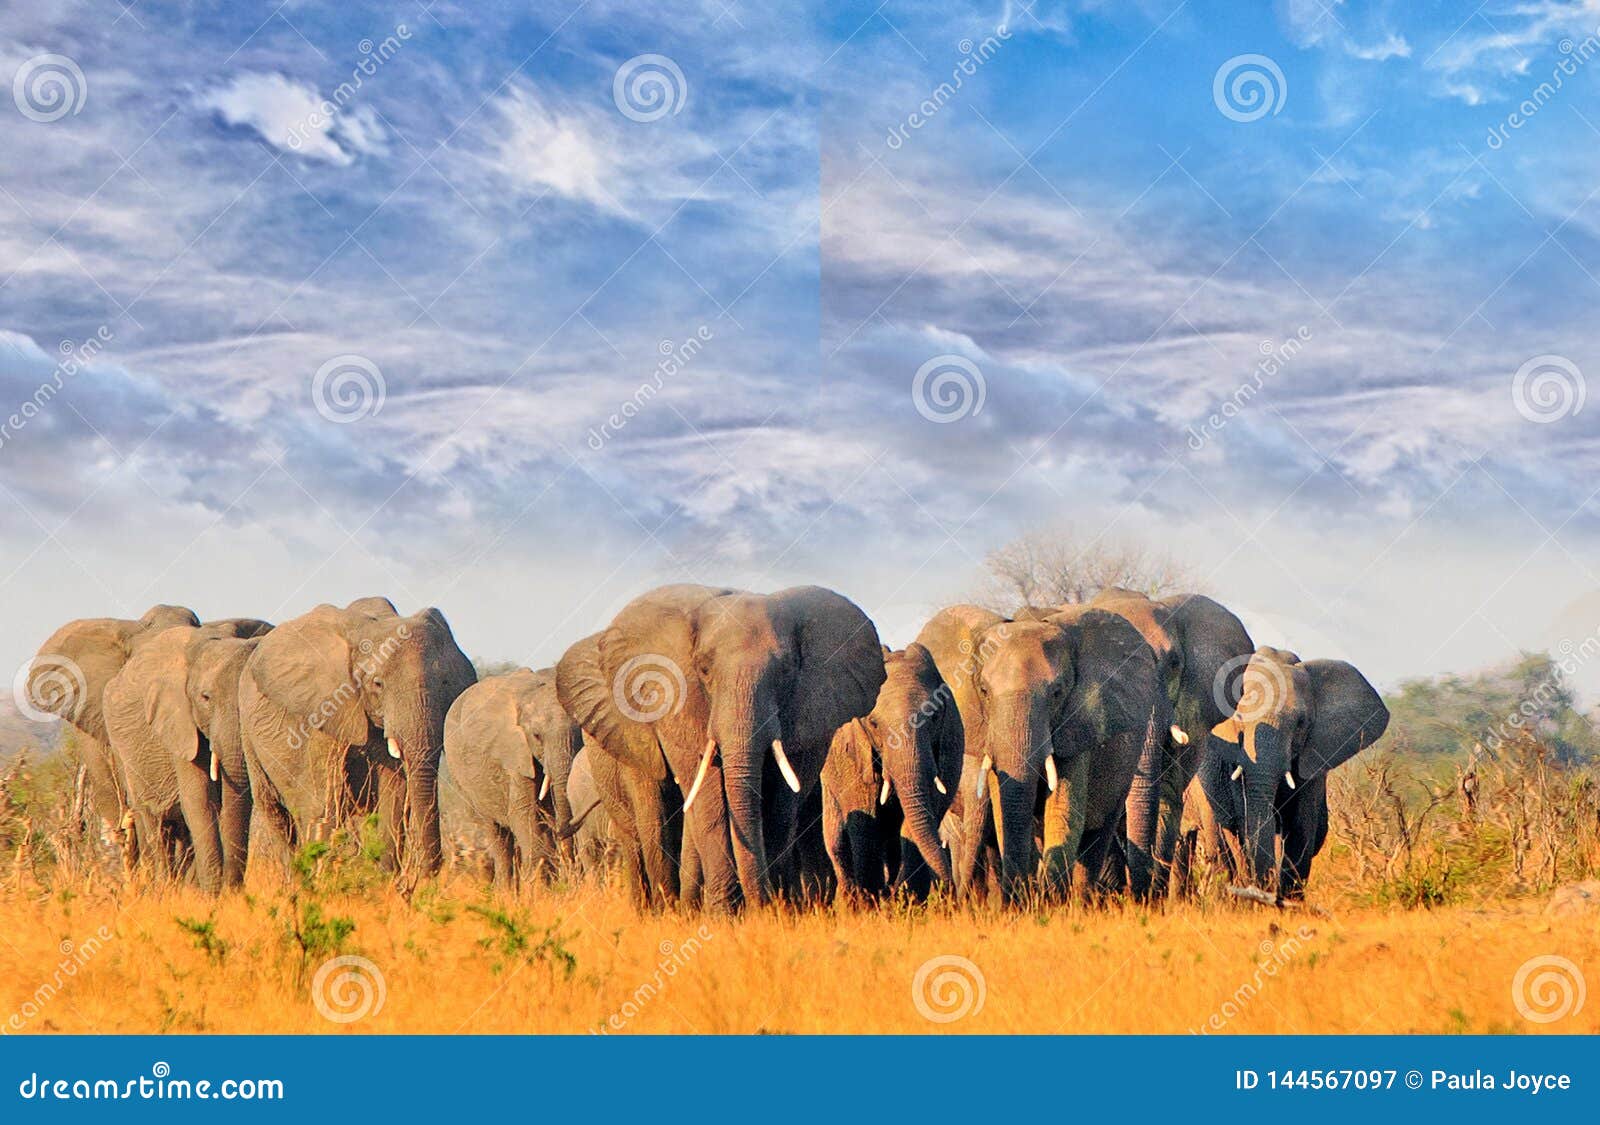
x=1056 y=566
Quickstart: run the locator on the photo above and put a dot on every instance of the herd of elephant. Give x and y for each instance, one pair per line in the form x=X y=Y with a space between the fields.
x=719 y=747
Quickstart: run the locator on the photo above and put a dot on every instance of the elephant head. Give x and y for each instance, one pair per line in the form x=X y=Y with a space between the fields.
x=743 y=693
x=898 y=768
x=172 y=715
x=1295 y=720
x=365 y=677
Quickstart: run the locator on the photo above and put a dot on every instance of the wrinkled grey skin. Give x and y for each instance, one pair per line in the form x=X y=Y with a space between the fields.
x=328 y=700
x=882 y=800
x=1295 y=721
x=172 y=714
x=1077 y=685
x=685 y=668
x=1200 y=649
x=508 y=749
x=90 y=651
x=591 y=827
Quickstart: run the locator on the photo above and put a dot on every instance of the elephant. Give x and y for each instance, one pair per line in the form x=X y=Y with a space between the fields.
x=889 y=780
x=508 y=749
x=722 y=704
x=343 y=709
x=68 y=677
x=172 y=714
x=1201 y=648
x=1055 y=706
x=591 y=827
x=1264 y=773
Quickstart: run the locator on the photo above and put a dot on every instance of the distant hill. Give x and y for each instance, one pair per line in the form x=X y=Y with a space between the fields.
x=18 y=732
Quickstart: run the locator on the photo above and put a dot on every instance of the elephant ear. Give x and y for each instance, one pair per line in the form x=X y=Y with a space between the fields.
x=648 y=658
x=303 y=667
x=945 y=725
x=147 y=707
x=71 y=670
x=1349 y=716
x=483 y=722
x=1226 y=741
x=1115 y=672
x=373 y=607
x=585 y=693
x=841 y=662
x=1210 y=638
x=954 y=638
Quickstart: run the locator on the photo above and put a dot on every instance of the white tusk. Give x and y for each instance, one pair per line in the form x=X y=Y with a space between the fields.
x=783 y=765
x=544 y=786
x=1178 y=735
x=394 y=749
x=215 y=776
x=1238 y=772
x=883 y=794
x=1288 y=775
x=1050 y=776
x=983 y=772
x=938 y=783
x=700 y=773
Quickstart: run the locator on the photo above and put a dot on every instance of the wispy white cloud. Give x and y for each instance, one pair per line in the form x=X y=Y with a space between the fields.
x=293 y=118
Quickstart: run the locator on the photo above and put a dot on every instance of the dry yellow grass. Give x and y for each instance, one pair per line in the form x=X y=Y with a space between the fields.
x=447 y=967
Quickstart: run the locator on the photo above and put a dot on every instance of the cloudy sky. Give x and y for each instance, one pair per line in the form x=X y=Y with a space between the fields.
x=520 y=310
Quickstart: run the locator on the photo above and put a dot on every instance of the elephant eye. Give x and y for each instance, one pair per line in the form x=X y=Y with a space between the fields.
x=206 y=696
x=377 y=682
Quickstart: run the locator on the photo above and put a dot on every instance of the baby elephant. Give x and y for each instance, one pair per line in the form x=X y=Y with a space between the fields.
x=509 y=747
x=889 y=780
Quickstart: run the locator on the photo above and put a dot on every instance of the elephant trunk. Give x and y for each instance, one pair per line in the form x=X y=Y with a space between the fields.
x=559 y=754
x=1019 y=739
x=416 y=735
x=745 y=728
x=913 y=783
x=233 y=824
x=1260 y=820
x=1144 y=799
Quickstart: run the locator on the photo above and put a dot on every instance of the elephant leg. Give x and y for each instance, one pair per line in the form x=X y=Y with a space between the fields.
x=1098 y=860
x=707 y=847
x=1064 y=812
x=501 y=858
x=866 y=856
x=200 y=808
x=533 y=848
x=658 y=848
x=1305 y=830
x=1178 y=768
x=837 y=842
x=155 y=853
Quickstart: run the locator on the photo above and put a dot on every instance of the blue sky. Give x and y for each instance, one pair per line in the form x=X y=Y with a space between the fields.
x=517 y=250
